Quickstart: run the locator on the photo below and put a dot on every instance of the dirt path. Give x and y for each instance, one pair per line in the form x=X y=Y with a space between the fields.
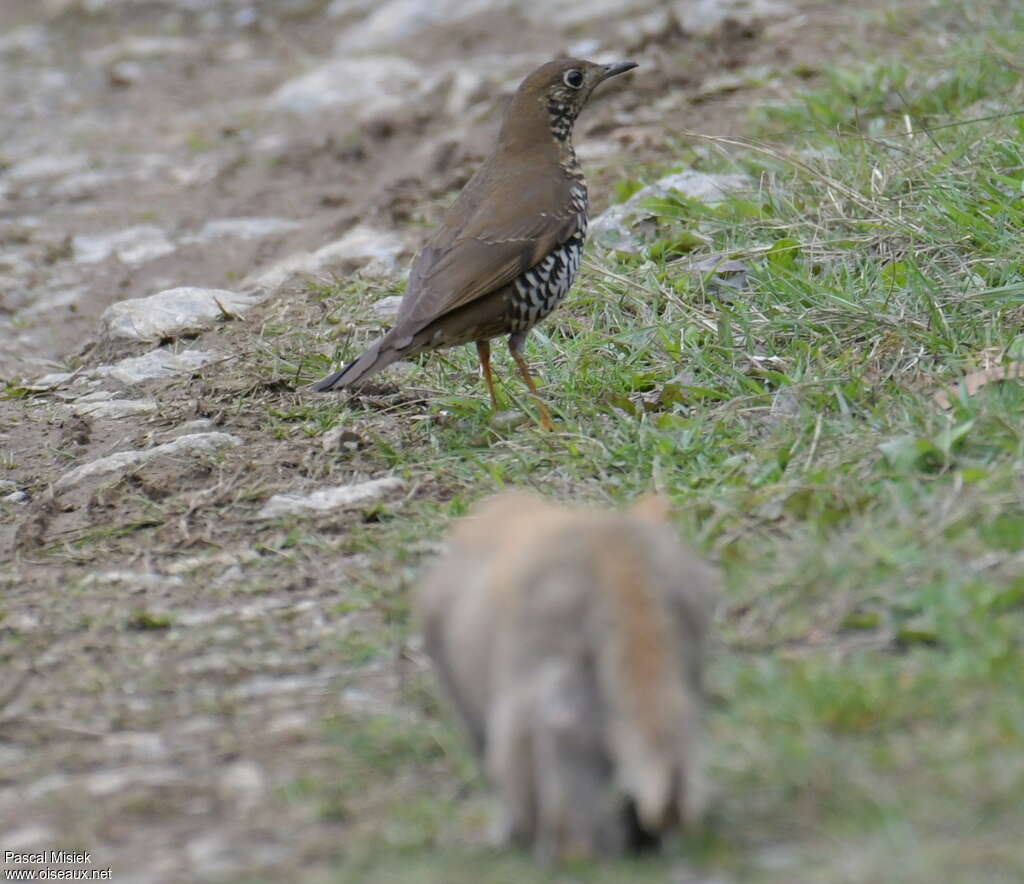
x=169 y=656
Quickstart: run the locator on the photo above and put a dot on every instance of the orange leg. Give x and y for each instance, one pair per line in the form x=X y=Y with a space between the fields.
x=515 y=346
x=483 y=350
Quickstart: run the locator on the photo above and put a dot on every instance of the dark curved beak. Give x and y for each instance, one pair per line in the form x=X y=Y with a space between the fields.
x=619 y=67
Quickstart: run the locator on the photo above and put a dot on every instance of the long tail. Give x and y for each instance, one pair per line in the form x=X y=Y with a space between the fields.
x=653 y=716
x=378 y=357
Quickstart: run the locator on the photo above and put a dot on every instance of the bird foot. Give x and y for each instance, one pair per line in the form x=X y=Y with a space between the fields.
x=546 y=423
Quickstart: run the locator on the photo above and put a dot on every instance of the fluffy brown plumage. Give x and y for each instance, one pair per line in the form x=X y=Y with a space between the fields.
x=571 y=643
x=508 y=249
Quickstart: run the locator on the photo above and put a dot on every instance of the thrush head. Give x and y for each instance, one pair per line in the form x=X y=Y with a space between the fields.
x=553 y=95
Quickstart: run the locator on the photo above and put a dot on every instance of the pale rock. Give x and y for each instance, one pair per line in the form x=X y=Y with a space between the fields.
x=345 y=8
x=6 y=485
x=46 y=166
x=29 y=837
x=508 y=420
x=53 y=300
x=569 y=15
x=11 y=755
x=16 y=264
x=135 y=581
x=133 y=245
x=198 y=425
x=108 y=782
x=50 y=381
x=113 y=409
x=170 y=313
x=140 y=746
x=618 y=226
x=193 y=563
x=279 y=273
x=723 y=270
x=365 y=86
x=82 y=185
x=125 y=73
x=584 y=48
x=196 y=443
x=46 y=785
x=289 y=725
x=22 y=623
x=702 y=17
x=359 y=246
x=242 y=784
x=229 y=576
x=240 y=228
x=16 y=497
x=157 y=363
x=397 y=20
x=141 y=47
x=464 y=86
x=27 y=38
x=212 y=853
x=386 y=309
x=327 y=500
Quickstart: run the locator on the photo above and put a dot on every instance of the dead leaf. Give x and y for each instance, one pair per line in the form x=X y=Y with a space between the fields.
x=977 y=379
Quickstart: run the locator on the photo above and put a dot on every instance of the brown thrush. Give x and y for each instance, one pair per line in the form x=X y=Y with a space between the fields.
x=509 y=247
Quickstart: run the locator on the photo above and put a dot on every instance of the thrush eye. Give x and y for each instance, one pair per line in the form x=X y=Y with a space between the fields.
x=573 y=78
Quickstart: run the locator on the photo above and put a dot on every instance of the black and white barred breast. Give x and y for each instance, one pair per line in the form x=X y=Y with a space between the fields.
x=541 y=289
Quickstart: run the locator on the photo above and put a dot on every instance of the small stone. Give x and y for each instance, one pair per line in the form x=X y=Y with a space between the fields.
x=703 y=17
x=171 y=313
x=83 y=185
x=52 y=301
x=199 y=425
x=133 y=245
x=329 y=499
x=134 y=581
x=123 y=74
x=367 y=85
x=229 y=576
x=141 y=746
x=45 y=166
x=141 y=47
x=357 y=248
x=107 y=782
x=508 y=420
x=27 y=38
x=114 y=408
x=242 y=784
x=624 y=227
x=158 y=363
x=290 y=725
x=386 y=309
x=359 y=245
x=196 y=443
x=584 y=48
x=28 y=837
x=240 y=228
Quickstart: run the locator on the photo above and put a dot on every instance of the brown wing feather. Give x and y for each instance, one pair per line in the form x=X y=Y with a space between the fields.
x=483 y=246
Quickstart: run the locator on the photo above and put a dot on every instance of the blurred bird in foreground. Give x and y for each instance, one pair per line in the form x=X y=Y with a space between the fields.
x=509 y=248
x=570 y=643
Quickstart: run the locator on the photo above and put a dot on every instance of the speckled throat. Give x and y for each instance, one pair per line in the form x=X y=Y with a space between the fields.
x=563 y=115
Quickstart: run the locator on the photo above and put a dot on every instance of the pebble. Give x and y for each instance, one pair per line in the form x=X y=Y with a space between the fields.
x=196 y=443
x=329 y=499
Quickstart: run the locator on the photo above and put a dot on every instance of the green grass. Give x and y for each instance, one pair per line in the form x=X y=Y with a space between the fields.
x=868 y=715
